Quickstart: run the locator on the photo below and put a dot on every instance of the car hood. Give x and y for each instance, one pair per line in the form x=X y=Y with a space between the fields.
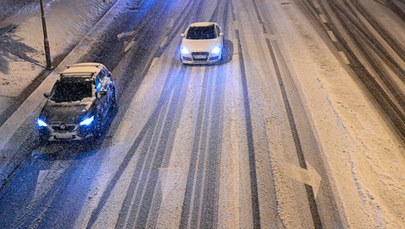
x=200 y=45
x=68 y=112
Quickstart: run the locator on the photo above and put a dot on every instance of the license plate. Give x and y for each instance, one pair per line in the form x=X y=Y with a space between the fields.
x=200 y=57
x=63 y=135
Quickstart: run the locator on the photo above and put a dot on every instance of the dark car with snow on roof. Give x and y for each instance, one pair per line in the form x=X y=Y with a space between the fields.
x=78 y=104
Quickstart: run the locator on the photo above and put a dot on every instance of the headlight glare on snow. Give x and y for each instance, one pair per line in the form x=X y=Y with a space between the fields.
x=87 y=121
x=42 y=123
x=184 y=51
x=216 y=50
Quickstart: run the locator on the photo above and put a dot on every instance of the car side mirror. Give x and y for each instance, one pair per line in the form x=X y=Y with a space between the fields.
x=100 y=94
x=221 y=34
x=103 y=93
x=182 y=35
x=47 y=94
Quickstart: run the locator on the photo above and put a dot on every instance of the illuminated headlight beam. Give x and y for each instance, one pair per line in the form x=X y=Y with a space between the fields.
x=216 y=50
x=184 y=51
x=42 y=123
x=87 y=121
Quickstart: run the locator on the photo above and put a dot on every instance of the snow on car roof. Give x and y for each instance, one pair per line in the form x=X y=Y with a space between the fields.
x=82 y=69
x=202 y=24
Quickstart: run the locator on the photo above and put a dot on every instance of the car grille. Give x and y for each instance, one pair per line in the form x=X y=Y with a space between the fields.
x=64 y=127
x=200 y=55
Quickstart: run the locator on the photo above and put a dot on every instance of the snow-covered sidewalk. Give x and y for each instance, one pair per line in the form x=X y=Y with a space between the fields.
x=22 y=58
x=21 y=118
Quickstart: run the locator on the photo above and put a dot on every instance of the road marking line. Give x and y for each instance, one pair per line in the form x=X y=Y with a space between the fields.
x=129 y=46
x=316 y=4
x=41 y=177
x=164 y=42
x=332 y=36
x=154 y=61
x=344 y=57
x=307 y=176
x=46 y=179
x=271 y=36
x=323 y=18
x=125 y=34
x=235 y=47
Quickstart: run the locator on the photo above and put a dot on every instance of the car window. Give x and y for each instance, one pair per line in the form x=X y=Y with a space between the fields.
x=218 y=30
x=99 y=81
x=201 y=33
x=101 y=75
x=71 y=90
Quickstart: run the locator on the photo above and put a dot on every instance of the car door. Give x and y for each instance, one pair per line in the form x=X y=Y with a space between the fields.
x=102 y=105
x=108 y=86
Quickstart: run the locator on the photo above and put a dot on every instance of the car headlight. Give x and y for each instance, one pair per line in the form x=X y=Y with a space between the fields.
x=184 y=51
x=41 y=123
x=87 y=121
x=216 y=50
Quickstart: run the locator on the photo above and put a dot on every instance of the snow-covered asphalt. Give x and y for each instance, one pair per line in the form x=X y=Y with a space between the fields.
x=278 y=135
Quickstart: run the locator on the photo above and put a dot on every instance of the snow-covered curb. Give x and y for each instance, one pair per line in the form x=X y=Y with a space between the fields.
x=10 y=160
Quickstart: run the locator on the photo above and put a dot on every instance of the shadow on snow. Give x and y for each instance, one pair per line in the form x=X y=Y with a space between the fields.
x=12 y=48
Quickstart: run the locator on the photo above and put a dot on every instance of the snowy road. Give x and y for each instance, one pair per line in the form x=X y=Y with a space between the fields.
x=234 y=145
x=372 y=49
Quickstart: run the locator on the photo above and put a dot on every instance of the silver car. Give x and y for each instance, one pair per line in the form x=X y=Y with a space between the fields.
x=202 y=43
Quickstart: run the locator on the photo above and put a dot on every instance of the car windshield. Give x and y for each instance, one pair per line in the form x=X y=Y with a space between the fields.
x=71 y=90
x=201 y=32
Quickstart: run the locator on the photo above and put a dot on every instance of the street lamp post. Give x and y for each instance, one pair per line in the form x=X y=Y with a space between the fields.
x=46 y=42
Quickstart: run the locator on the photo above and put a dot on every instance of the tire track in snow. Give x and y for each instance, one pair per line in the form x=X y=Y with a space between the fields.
x=249 y=134
x=138 y=141
x=200 y=205
x=317 y=223
x=390 y=100
x=191 y=203
x=138 y=215
x=254 y=189
x=138 y=202
x=300 y=154
x=131 y=152
x=187 y=12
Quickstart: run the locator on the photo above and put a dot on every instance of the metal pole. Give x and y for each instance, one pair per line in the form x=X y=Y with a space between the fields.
x=46 y=42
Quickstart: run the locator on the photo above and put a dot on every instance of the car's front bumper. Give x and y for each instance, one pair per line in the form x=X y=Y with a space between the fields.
x=200 y=58
x=68 y=132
